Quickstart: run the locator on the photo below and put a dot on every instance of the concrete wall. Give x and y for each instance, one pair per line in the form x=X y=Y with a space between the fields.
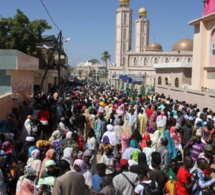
x=6 y=105
x=202 y=99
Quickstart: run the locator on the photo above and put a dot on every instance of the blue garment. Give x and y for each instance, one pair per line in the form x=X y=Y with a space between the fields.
x=170 y=146
x=3 y=126
x=134 y=144
x=201 y=184
x=96 y=183
x=30 y=150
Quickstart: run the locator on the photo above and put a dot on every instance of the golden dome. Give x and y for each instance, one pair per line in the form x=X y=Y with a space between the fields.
x=124 y=2
x=183 y=45
x=142 y=11
x=154 y=47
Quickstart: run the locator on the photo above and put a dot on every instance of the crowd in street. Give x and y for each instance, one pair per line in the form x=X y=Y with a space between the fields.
x=98 y=140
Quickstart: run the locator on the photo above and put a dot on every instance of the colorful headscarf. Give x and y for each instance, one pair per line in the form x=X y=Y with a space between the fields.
x=81 y=164
x=27 y=188
x=43 y=143
x=50 y=163
x=134 y=144
x=7 y=147
x=35 y=153
x=146 y=137
x=134 y=155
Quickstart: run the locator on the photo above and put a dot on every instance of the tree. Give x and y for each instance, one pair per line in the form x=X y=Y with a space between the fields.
x=93 y=61
x=21 y=34
x=106 y=57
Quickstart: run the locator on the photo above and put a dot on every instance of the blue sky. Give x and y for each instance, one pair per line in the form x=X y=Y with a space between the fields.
x=91 y=23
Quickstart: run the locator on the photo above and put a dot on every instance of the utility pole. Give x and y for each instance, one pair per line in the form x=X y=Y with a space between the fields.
x=59 y=56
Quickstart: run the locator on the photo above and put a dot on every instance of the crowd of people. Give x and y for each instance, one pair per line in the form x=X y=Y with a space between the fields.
x=98 y=140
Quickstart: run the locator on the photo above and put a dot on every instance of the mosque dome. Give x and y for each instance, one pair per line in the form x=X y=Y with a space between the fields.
x=142 y=11
x=183 y=45
x=124 y=2
x=154 y=47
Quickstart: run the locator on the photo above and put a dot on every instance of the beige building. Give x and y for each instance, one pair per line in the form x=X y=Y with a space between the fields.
x=141 y=61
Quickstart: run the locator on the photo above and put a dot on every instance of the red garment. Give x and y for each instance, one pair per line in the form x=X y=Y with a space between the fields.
x=80 y=142
x=149 y=112
x=43 y=115
x=183 y=176
x=146 y=137
x=208 y=170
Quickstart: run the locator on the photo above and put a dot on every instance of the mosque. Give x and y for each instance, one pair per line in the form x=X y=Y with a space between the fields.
x=136 y=67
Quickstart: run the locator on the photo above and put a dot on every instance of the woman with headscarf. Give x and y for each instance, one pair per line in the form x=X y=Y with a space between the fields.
x=68 y=156
x=48 y=177
x=170 y=146
x=112 y=137
x=27 y=188
x=7 y=148
x=56 y=144
x=43 y=146
x=125 y=135
x=155 y=137
x=50 y=154
x=80 y=166
x=133 y=146
x=176 y=137
x=146 y=136
x=134 y=158
x=161 y=122
x=152 y=118
x=34 y=161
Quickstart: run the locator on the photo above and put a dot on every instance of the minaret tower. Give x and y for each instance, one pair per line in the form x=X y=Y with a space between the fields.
x=123 y=32
x=141 y=31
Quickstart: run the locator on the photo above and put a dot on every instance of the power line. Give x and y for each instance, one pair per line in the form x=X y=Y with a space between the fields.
x=49 y=15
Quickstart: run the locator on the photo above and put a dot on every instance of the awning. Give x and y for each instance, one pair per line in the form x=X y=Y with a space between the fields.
x=123 y=78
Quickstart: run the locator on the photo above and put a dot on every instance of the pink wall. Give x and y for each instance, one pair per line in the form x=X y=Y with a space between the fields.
x=6 y=105
x=209 y=7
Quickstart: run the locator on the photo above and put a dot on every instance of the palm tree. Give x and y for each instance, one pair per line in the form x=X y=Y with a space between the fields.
x=106 y=57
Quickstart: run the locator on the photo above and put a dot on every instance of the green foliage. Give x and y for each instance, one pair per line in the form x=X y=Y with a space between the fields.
x=93 y=61
x=105 y=57
x=21 y=34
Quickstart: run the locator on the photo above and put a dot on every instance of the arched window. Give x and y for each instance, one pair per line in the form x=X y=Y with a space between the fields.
x=156 y=60
x=125 y=19
x=145 y=61
x=176 y=82
x=124 y=33
x=188 y=60
x=166 y=60
x=159 y=81
x=135 y=61
x=212 y=60
x=123 y=61
x=166 y=81
x=177 y=59
x=124 y=48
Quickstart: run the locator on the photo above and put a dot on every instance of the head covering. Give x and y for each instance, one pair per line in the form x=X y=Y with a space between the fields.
x=29 y=117
x=43 y=143
x=27 y=188
x=7 y=147
x=126 y=129
x=35 y=153
x=199 y=132
x=134 y=155
x=49 y=156
x=171 y=144
x=124 y=163
x=106 y=140
x=67 y=155
x=146 y=137
x=30 y=139
x=88 y=153
x=81 y=164
x=208 y=147
x=56 y=134
x=69 y=135
x=134 y=144
x=162 y=115
x=50 y=163
x=110 y=127
x=173 y=130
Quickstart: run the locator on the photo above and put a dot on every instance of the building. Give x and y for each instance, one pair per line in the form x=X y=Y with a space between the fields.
x=193 y=83
x=16 y=79
x=140 y=62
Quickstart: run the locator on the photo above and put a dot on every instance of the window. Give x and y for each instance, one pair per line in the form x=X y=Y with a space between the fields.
x=213 y=48
x=176 y=82
x=124 y=33
x=177 y=60
x=159 y=81
x=166 y=81
x=124 y=48
x=135 y=61
x=125 y=19
x=123 y=61
x=212 y=57
x=188 y=60
x=156 y=60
